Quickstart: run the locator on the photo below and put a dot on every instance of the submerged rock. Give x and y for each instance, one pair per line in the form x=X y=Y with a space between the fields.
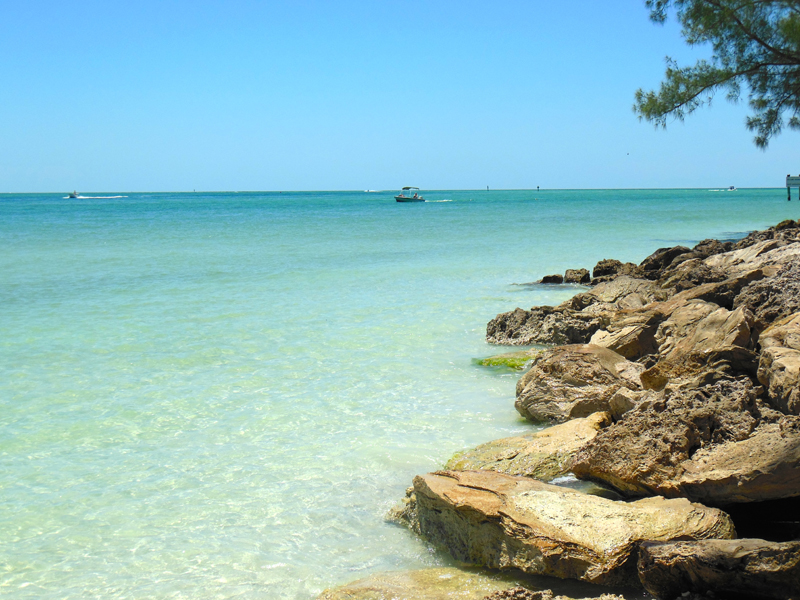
x=749 y=568
x=718 y=445
x=424 y=584
x=543 y=455
x=500 y=521
x=573 y=381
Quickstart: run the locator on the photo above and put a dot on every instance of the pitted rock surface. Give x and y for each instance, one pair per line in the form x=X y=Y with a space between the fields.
x=779 y=364
x=719 y=445
x=702 y=340
x=772 y=298
x=574 y=381
x=542 y=325
x=749 y=568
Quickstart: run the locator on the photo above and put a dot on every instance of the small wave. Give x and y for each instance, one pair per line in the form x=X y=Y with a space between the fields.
x=564 y=479
x=432 y=201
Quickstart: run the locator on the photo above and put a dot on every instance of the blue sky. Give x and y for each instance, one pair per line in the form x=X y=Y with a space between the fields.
x=300 y=95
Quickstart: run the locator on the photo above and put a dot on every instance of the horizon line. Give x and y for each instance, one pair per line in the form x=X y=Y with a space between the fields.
x=389 y=190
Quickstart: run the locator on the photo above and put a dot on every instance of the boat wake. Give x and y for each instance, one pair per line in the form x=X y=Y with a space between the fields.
x=92 y=197
x=432 y=201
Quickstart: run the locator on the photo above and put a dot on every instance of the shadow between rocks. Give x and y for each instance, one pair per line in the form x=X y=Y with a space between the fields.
x=773 y=520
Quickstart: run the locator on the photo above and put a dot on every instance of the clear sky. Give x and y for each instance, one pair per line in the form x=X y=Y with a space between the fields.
x=350 y=94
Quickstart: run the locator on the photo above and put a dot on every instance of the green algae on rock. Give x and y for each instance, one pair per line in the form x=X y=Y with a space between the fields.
x=511 y=360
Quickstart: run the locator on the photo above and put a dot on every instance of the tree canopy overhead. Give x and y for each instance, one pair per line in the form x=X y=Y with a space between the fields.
x=756 y=45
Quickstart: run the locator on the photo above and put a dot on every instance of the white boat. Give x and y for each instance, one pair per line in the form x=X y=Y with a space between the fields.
x=401 y=197
x=73 y=195
x=732 y=189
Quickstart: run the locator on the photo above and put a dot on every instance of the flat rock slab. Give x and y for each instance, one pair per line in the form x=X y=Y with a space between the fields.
x=749 y=568
x=500 y=521
x=718 y=445
x=424 y=584
x=569 y=382
x=543 y=455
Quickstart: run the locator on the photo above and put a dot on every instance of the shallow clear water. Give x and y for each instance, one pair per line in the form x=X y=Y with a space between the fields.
x=221 y=395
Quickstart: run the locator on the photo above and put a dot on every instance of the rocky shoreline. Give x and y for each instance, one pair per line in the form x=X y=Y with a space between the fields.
x=673 y=388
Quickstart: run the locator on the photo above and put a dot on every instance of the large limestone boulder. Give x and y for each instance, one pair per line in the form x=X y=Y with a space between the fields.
x=689 y=274
x=542 y=325
x=772 y=298
x=768 y=253
x=574 y=381
x=573 y=321
x=702 y=340
x=632 y=332
x=682 y=268
x=748 y=568
x=718 y=445
x=779 y=364
x=721 y=292
x=423 y=584
x=785 y=231
x=622 y=292
x=543 y=455
x=500 y=521
x=661 y=259
x=577 y=276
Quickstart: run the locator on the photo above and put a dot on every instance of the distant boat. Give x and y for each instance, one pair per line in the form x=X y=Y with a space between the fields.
x=401 y=197
x=732 y=189
x=73 y=195
x=370 y=191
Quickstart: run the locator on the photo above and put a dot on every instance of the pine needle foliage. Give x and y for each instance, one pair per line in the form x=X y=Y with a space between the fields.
x=756 y=47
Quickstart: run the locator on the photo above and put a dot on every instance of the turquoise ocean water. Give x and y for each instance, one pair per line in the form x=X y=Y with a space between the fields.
x=221 y=395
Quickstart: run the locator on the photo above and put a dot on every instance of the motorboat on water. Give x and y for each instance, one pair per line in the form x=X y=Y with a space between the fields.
x=73 y=195
x=732 y=188
x=402 y=197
